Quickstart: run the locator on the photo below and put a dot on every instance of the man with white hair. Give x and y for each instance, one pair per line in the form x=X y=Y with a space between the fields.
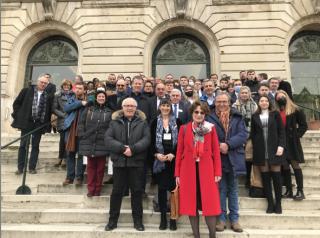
x=180 y=109
x=32 y=109
x=127 y=139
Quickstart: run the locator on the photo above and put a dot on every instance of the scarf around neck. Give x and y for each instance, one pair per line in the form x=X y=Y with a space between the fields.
x=224 y=118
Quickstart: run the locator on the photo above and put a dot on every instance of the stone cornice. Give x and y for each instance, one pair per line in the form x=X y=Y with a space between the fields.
x=248 y=2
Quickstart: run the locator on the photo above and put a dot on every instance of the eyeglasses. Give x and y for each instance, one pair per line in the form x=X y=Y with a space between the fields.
x=120 y=85
x=222 y=102
x=44 y=82
x=129 y=106
x=198 y=112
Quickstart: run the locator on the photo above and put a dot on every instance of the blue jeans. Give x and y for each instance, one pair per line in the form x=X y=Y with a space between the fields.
x=75 y=167
x=35 y=142
x=228 y=187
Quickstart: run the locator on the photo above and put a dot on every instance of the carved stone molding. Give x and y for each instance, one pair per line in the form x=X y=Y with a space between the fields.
x=180 y=6
x=49 y=7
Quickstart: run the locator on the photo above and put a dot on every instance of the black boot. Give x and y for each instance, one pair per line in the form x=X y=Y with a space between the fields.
x=248 y=175
x=299 y=180
x=266 y=182
x=163 y=222
x=173 y=225
x=287 y=183
x=277 y=186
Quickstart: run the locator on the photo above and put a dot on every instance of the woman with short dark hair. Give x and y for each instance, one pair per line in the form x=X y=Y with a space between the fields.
x=164 y=137
x=198 y=170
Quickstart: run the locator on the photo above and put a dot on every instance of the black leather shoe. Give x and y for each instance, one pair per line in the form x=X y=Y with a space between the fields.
x=163 y=221
x=139 y=226
x=173 y=225
x=299 y=196
x=110 y=226
x=288 y=194
x=270 y=209
x=32 y=171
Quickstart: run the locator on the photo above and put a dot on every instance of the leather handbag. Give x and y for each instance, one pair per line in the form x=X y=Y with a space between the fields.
x=174 y=202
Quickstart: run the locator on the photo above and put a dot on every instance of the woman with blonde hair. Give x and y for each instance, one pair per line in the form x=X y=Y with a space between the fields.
x=190 y=95
x=246 y=106
x=294 y=121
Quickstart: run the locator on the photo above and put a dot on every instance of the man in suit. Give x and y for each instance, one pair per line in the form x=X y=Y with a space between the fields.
x=180 y=109
x=155 y=101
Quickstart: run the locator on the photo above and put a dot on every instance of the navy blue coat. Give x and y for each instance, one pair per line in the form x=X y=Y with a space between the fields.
x=236 y=139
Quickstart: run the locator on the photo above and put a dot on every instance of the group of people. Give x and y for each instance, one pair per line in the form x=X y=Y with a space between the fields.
x=198 y=135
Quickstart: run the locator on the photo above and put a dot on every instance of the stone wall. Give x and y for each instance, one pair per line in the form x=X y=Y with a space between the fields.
x=119 y=36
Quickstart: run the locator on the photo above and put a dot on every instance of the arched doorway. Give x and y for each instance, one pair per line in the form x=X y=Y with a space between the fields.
x=304 y=53
x=181 y=54
x=55 y=55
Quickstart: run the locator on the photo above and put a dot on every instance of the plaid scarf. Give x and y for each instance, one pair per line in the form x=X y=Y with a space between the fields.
x=199 y=131
x=224 y=118
x=39 y=111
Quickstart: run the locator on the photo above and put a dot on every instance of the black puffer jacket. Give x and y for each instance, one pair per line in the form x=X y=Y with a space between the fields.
x=92 y=127
x=116 y=138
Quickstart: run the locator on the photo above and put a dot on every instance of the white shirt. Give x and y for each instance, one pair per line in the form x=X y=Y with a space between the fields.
x=39 y=95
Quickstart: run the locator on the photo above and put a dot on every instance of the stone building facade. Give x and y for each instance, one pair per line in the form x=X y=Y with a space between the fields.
x=121 y=36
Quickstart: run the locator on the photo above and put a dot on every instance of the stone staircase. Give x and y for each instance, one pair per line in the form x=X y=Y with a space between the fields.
x=54 y=210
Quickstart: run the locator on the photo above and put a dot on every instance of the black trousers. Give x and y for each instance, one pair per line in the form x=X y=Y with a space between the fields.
x=62 y=145
x=35 y=142
x=133 y=178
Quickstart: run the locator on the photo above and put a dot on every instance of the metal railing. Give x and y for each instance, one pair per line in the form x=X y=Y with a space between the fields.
x=317 y=116
x=24 y=189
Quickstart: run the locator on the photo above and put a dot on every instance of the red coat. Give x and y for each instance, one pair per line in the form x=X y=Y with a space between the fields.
x=209 y=167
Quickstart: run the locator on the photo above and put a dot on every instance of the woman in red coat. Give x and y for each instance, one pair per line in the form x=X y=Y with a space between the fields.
x=198 y=170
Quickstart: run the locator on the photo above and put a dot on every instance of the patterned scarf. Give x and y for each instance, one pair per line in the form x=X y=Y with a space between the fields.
x=158 y=165
x=159 y=132
x=39 y=111
x=199 y=131
x=224 y=118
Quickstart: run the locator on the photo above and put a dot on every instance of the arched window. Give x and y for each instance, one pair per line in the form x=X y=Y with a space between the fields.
x=56 y=55
x=304 y=52
x=181 y=55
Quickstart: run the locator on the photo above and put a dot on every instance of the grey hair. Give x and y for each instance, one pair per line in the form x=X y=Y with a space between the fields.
x=176 y=90
x=129 y=99
x=224 y=93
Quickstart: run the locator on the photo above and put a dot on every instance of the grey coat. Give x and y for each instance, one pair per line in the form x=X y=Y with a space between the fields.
x=92 y=127
x=59 y=101
x=138 y=141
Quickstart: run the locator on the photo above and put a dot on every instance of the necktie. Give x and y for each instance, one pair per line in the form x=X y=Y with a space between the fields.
x=175 y=110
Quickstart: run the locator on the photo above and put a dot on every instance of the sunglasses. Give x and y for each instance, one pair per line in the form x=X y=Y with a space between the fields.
x=198 y=112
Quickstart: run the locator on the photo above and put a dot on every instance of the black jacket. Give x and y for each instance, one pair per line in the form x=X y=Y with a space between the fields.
x=294 y=133
x=138 y=141
x=59 y=101
x=92 y=127
x=276 y=137
x=143 y=104
x=22 y=111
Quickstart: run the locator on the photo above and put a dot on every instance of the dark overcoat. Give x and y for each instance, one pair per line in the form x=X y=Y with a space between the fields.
x=296 y=126
x=276 y=137
x=22 y=111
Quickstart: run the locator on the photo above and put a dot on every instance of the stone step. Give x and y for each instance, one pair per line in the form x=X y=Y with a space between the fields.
x=126 y=230
x=49 y=201
x=252 y=219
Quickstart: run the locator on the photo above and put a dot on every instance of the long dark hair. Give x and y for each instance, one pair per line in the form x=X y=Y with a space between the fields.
x=271 y=107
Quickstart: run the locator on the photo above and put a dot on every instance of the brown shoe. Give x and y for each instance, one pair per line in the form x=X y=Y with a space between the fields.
x=67 y=182
x=220 y=226
x=236 y=227
x=78 y=182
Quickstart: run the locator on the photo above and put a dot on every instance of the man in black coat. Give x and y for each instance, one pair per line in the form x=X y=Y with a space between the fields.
x=51 y=87
x=155 y=101
x=127 y=139
x=143 y=101
x=32 y=109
